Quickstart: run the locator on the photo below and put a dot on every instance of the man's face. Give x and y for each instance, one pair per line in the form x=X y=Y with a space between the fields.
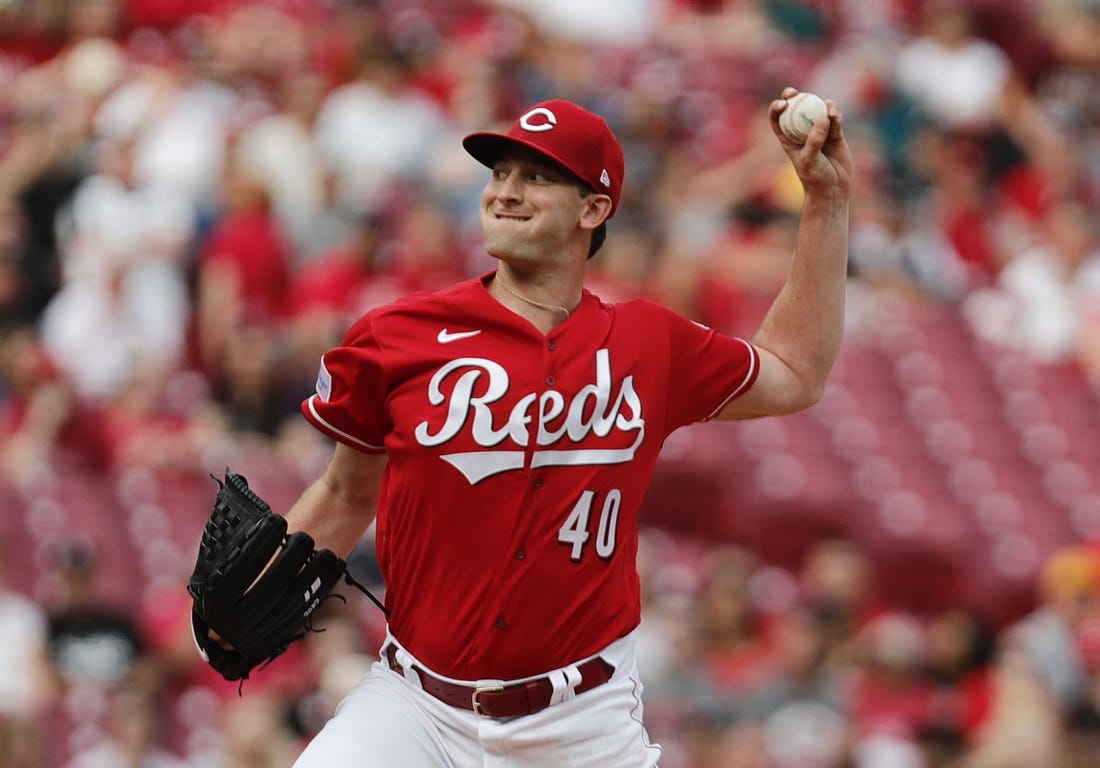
x=531 y=207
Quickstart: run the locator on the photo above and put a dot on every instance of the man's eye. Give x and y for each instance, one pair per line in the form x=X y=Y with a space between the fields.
x=542 y=178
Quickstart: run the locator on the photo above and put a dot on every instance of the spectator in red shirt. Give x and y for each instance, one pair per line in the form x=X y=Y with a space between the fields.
x=243 y=270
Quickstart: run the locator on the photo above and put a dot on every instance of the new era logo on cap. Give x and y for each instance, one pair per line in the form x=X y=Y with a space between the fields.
x=566 y=133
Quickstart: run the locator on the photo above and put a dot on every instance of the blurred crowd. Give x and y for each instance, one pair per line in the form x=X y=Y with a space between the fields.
x=197 y=197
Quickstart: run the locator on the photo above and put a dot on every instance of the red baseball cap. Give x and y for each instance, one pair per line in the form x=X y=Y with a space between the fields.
x=570 y=135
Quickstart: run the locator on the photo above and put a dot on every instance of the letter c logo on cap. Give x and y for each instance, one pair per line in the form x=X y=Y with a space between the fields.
x=526 y=123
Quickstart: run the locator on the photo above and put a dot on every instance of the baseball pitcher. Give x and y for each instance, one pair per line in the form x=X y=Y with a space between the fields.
x=501 y=434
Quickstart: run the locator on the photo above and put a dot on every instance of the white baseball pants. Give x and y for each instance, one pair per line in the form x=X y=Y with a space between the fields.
x=387 y=721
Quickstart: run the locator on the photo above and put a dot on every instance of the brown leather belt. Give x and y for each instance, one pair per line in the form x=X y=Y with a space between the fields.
x=503 y=701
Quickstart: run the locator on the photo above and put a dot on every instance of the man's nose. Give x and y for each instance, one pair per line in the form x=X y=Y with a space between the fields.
x=510 y=187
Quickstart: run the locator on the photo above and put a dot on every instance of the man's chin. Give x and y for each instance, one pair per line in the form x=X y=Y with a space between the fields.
x=502 y=248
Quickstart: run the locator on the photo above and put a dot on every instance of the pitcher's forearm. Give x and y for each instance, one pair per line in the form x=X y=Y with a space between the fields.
x=806 y=322
x=338 y=507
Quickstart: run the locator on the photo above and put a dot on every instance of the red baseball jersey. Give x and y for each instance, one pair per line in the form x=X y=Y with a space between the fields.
x=507 y=519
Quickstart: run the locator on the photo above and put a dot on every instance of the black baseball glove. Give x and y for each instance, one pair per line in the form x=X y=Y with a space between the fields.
x=254 y=585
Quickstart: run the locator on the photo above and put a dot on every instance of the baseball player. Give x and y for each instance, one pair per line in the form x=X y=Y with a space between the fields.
x=502 y=432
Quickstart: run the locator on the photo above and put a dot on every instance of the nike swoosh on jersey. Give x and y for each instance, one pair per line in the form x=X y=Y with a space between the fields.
x=446 y=337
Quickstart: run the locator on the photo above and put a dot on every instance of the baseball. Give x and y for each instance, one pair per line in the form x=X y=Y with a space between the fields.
x=802 y=111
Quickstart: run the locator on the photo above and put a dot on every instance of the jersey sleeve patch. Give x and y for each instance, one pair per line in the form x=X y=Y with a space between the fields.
x=324 y=383
x=349 y=402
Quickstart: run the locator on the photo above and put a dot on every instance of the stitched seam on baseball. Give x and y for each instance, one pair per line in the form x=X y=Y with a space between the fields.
x=795 y=123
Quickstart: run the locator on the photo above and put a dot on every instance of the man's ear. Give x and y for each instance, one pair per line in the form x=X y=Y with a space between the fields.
x=596 y=210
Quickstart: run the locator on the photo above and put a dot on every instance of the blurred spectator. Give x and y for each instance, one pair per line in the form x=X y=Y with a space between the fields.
x=91 y=643
x=133 y=734
x=729 y=624
x=799 y=705
x=954 y=205
x=177 y=114
x=1083 y=737
x=681 y=699
x=735 y=28
x=1044 y=298
x=331 y=290
x=744 y=265
x=253 y=734
x=165 y=424
x=1024 y=728
x=243 y=271
x=346 y=279
x=1053 y=170
x=614 y=23
x=837 y=582
x=280 y=152
x=255 y=392
x=957 y=663
x=972 y=117
x=806 y=733
x=888 y=699
x=742 y=745
x=957 y=79
x=41 y=419
x=46 y=130
x=43 y=130
x=122 y=309
x=24 y=688
x=20 y=290
x=376 y=130
x=625 y=268
x=253 y=47
x=796 y=669
x=421 y=252
x=1046 y=639
x=894 y=250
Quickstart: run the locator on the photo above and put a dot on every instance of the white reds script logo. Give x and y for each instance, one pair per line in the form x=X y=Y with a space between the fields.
x=527 y=124
x=544 y=418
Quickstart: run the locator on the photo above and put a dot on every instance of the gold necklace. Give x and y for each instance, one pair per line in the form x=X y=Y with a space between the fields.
x=532 y=302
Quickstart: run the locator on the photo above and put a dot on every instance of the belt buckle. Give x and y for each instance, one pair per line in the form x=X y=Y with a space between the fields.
x=477 y=692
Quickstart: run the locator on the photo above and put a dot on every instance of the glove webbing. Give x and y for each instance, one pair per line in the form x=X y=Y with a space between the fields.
x=243 y=489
